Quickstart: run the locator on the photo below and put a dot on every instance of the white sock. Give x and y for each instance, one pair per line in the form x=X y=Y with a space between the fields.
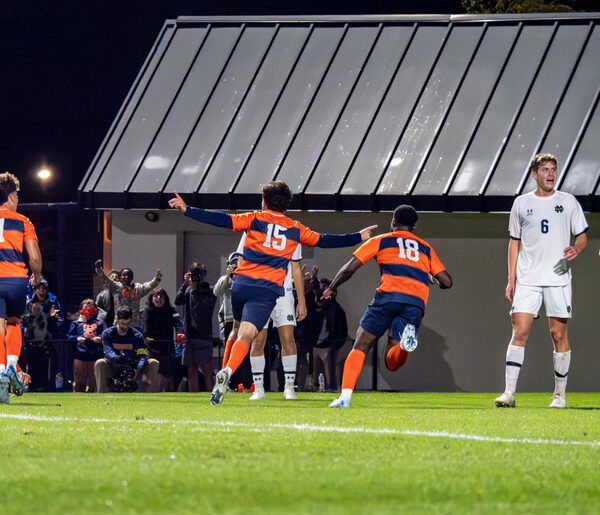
x=289 y=368
x=257 y=363
x=514 y=360
x=562 y=360
x=11 y=359
x=346 y=394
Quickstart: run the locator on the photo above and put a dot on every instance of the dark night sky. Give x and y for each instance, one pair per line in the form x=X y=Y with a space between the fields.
x=67 y=65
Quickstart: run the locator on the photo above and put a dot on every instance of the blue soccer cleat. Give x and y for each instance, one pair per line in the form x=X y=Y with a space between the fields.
x=408 y=341
x=16 y=386
x=4 y=384
x=218 y=392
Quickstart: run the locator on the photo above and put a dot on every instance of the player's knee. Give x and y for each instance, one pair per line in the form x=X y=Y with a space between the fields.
x=519 y=336
x=559 y=337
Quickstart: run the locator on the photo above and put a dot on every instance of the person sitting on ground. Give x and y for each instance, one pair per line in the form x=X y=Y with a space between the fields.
x=125 y=355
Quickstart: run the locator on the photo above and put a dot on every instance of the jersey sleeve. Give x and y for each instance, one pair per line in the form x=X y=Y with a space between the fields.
x=579 y=224
x=29 y=231
x=435 y=264
x=297 y=256
x=242 y=222
x=327 y=241
x=368 y=250
x=514 y=222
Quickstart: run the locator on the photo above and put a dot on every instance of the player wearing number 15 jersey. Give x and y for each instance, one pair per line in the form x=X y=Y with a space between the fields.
x=271 y=239
x=407 y=265
x=541 y=226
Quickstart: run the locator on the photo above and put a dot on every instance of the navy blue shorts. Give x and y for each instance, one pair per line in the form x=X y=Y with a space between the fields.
x=392 y=316
x=252 y=304
x=13 y=296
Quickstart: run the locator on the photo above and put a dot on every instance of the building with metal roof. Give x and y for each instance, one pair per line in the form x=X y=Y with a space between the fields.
x=355 y=112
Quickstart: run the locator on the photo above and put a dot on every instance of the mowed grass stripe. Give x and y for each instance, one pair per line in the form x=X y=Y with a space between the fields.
x=304 y=427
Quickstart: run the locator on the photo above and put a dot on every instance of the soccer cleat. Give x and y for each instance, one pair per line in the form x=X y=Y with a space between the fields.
x=558 y=401
x=4 y=384
x=221 y=382
x=340 y=403
x=259 y=393
x=16 y=386
x=408 y=340
x=506 y=400
x=289 y=394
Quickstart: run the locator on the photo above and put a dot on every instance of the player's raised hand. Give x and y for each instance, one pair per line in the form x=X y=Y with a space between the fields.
x=178 y=203
x=158 y=275
x=98 y=264
x=367 y=232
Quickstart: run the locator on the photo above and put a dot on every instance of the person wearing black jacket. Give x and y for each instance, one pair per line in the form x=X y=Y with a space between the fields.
x=334 y=331
x=198 y=301
x=160 y=321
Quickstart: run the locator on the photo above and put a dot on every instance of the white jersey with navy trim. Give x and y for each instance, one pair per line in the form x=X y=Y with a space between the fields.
x=545 y=225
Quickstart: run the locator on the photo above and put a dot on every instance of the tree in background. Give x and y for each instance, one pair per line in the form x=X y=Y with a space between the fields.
x=515 y=6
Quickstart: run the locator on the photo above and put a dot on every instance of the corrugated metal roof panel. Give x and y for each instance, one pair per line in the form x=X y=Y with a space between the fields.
x=357 y=112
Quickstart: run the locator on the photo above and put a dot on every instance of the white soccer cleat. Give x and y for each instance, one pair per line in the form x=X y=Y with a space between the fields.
x=558 y=401
x=221 y=382
x=289 y=394
x=259 y=393
x=4 y=384
x=340 y=403
x=408 y=340
x=506 y=400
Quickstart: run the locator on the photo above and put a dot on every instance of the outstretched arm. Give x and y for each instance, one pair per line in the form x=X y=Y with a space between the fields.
x=201 y=215
x=341 y=277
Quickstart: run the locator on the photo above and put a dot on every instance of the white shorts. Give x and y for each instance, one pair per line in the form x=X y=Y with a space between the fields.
x=284 y=312
x=557 y=300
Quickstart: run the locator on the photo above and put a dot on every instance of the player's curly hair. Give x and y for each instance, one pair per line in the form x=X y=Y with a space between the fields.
x=405 y=215
x=8 y=184
x=277 y=196
x=539 y=159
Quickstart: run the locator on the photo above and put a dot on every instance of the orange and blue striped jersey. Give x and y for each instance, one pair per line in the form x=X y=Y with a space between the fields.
x=15 y=230
x=271 y=239
x=405 y=263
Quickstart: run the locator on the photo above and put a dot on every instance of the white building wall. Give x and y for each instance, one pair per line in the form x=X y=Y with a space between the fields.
x=462 y=341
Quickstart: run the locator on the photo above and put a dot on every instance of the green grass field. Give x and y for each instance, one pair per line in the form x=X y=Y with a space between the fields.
x=390 y=453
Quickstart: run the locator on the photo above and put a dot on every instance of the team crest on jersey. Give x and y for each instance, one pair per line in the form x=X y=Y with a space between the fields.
x=559 y=209
x=529 y=212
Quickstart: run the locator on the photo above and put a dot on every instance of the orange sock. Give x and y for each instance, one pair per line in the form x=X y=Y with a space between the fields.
x=239 y=351
x=2 y=349
x=227 y=352
x=14 y=340
x=352 y=368
x=395 y=358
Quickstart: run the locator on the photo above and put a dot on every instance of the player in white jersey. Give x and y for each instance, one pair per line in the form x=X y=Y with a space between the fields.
x=284 y=316
x=542 y=225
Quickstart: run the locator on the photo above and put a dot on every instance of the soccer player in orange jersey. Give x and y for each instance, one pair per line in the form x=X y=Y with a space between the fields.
x=16 y=232
x=408 y=264
x=271 y=239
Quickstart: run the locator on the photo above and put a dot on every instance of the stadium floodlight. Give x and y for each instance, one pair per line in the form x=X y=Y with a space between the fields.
x=44 y=174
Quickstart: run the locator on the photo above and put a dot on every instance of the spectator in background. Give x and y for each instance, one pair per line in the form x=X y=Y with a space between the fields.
x=125 y=351
x=126 y=292
x=160 y=322
x=105 y=301
x=198 y=301
x=42 y=323
x=334 y=331
x=86 y=331
x=307 y=331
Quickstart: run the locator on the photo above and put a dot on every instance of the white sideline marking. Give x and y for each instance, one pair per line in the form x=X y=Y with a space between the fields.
x=304 y=427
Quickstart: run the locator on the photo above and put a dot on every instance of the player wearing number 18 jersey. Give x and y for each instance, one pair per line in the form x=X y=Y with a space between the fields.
x=541 y=226
x=406 y=264
x=271 y=239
